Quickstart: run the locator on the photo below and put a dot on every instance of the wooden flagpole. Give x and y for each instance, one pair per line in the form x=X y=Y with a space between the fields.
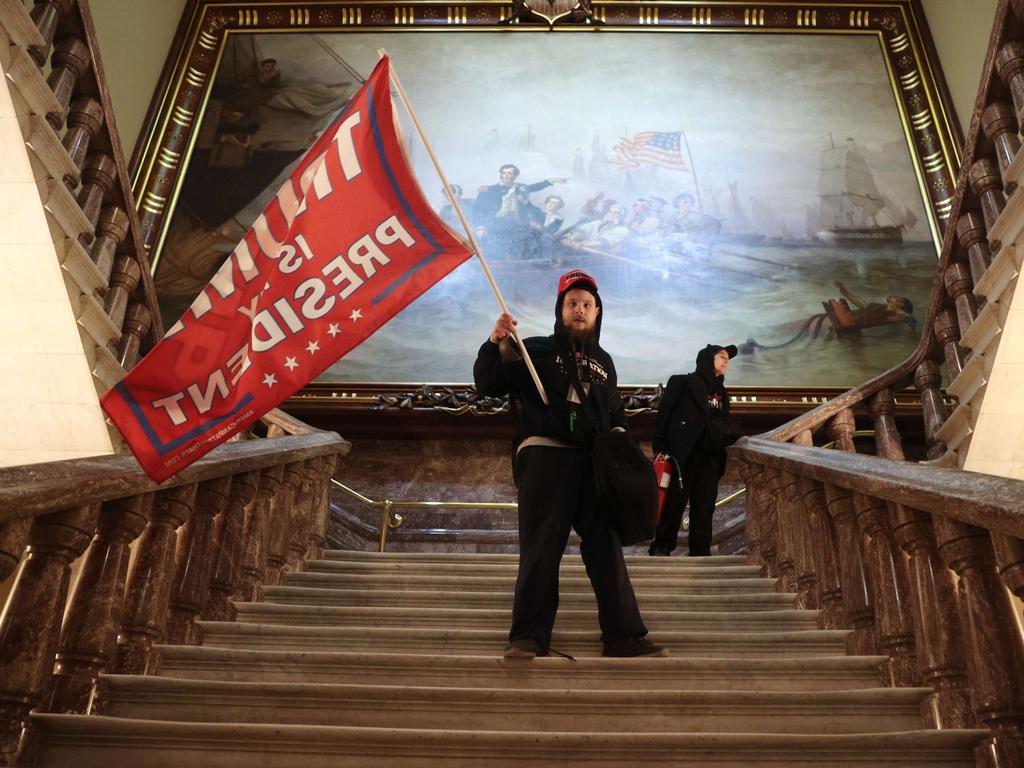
x=465 y=224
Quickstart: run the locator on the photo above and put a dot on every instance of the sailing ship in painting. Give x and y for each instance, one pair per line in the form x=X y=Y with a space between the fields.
x=852 y=210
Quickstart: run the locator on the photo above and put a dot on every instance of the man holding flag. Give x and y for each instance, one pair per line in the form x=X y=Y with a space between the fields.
x=347 y=243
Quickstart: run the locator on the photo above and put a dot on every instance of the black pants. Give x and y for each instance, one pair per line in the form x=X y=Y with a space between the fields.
x=556 y=493
x=700 y=475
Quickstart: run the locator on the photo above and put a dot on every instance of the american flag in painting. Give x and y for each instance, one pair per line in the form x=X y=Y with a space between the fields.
x=651 y=148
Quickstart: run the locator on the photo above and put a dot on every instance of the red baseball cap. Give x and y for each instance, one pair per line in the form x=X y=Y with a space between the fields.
x=572 y=278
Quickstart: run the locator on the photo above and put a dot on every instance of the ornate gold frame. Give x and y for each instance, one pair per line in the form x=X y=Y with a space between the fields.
x=924 y=105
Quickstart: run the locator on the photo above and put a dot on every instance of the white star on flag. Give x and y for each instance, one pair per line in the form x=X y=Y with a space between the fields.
x=312 y=347
x=357 y=314
x=270 y=380
x=334 y=330
x=290 y=364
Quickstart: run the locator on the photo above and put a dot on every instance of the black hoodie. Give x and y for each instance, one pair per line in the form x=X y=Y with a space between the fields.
x=693 y=412
x=498 y=372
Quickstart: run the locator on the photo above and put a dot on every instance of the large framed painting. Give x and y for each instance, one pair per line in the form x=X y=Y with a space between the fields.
x=773 y=175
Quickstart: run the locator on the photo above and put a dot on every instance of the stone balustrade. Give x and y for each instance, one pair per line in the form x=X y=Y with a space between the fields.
x=210 y=535
x=77 y=160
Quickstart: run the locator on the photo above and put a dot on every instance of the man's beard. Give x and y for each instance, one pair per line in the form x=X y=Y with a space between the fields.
x=582 y=339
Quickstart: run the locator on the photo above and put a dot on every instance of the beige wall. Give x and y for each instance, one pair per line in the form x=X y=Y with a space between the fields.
x=133 y=68
x=961 y=29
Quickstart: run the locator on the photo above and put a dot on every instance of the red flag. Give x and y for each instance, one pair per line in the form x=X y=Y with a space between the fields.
x=348 y=242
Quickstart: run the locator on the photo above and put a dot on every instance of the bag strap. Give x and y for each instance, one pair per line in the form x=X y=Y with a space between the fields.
x=585 y=404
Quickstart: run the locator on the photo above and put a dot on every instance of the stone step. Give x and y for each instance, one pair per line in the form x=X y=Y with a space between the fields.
x=649 y=600
x=648 y=569
x=488 y=642
x=112 y=742
x=499 y=618
x=680 y=673
x=347 y=555
x=877 y=710
x=506 y=583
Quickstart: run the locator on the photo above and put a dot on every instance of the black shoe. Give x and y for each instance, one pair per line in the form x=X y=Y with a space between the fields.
x=631 y=647
x=525 y=648
x=659 y=552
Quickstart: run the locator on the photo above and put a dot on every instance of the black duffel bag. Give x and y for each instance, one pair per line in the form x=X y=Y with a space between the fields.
x=625 y=486
x=626 y=489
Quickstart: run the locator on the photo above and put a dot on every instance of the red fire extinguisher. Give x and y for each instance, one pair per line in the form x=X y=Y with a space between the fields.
x=662 y=471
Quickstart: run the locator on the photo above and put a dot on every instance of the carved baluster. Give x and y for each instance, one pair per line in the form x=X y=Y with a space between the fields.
x=1010 y=562
x=970 y=230
x=194 y=562
x=151 y=581
x=893 y=616
x=13 y=538
x=30 y=623
x=988 y=186
x=857 y=605
x=1000 y=125
x=932 y=590
x=70 y=62
x=785 y=557
x=47 y=15
x=322 y=507
x=995 y=648
x=1017 y=6
x=84 y=120
x=768 y=525
x=948 y=335
x=279 y=524
x=110 y=231
x=134 y=329
x=228 y=534
x=928 y=379
x=841 y=428
x=89 y=635
x=97 y=177
x=1009 y=62
x=957 y=278
x=750 y=474
x=123 y=281
x=302 y=516
x=254 y=560
x=804 y=575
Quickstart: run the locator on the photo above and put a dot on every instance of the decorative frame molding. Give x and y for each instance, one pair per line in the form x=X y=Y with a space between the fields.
x=924 y=106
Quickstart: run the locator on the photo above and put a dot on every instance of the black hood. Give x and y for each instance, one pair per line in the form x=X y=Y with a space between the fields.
x=706 y=363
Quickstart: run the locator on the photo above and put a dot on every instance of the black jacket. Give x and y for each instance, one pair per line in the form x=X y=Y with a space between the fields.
x=685 y=421
x=496 y=377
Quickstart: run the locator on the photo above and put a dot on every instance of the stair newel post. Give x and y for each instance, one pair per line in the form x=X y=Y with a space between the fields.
x=89 y=636
x=994 y=646
x=193 y=561
x=254 y=537
x=13 y=538
x=70 y=62
x=932 y=594
x=973 y=237
x=889 y=582
x=47 y=15
x=947 y=333
x=988 y=186
x=151 y=580
x=823 y=548
x=959 y=285
x=228 y=535
x=282 y=507
x=30 y=623
x=927 y=378
x=999 y=122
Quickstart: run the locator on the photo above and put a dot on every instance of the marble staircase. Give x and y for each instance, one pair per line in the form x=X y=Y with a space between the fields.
x=366 y=659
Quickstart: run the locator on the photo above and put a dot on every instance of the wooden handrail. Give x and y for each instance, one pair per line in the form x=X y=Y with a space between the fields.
x=38 y=489
x=986 y=501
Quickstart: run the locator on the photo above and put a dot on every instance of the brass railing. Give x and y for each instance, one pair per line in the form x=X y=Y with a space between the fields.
x=390 y=519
